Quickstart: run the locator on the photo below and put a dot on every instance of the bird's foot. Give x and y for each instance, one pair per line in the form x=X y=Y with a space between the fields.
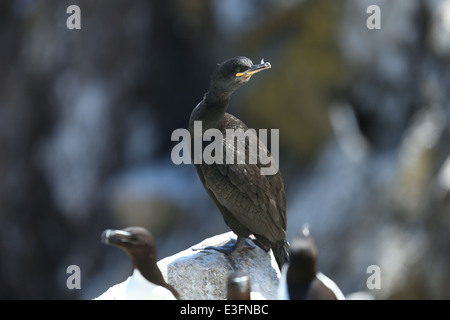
x=230 y=246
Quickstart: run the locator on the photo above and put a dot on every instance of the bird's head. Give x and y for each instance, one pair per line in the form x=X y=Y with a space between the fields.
x=238 y=286
x=303 y=256
x=233 y=72
x=135 y=241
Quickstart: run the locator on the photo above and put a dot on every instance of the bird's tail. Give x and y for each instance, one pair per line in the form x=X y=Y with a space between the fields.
x=281 y=253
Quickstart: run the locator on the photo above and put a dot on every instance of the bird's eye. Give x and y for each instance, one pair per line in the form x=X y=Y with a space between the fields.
x=238 y=69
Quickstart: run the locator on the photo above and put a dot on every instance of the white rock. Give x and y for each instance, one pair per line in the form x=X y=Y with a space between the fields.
x=202 y=275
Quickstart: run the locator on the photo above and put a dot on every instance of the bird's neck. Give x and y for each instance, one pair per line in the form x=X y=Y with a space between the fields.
x=301 y=274
x=213 y=107
x=218 y=95
x=150 y=271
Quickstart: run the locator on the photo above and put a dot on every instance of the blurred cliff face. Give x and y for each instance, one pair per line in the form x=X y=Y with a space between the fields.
x=78 y=105
x=86 y=117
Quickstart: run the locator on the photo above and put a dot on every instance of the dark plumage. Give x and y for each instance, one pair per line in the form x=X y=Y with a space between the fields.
x=300 y=279
x=250 y=203
x=238 y=286
x=140 y=246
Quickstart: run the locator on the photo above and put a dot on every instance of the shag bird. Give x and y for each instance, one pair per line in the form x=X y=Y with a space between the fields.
x=300 y=279
x=146 y=281
x=250 y=203
x=239 y=287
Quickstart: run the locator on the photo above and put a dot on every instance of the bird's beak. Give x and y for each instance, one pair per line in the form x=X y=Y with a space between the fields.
x=115 y=236
x=254 y=69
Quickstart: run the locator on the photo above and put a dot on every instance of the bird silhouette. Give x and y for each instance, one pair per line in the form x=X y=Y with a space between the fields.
x=239 y=287
x=300 y=279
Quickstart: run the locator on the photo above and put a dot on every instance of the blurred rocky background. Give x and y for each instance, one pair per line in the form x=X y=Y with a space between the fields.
x=86 y=118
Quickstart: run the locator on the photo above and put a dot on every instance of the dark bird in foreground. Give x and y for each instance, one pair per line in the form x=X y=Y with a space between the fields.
x=146 y=281
x=250 y=203
x=300 y=279
x=239 y=287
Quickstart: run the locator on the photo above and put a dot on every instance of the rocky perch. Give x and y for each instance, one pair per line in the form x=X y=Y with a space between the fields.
x=202 y=274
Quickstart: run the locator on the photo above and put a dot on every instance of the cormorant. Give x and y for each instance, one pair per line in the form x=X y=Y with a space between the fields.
x=300 y=279
x=146 y=280
x=250 y=203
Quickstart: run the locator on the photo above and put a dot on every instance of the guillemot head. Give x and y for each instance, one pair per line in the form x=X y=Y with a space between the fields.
x=303 y=257
x=135 y=241
x=238 y=286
